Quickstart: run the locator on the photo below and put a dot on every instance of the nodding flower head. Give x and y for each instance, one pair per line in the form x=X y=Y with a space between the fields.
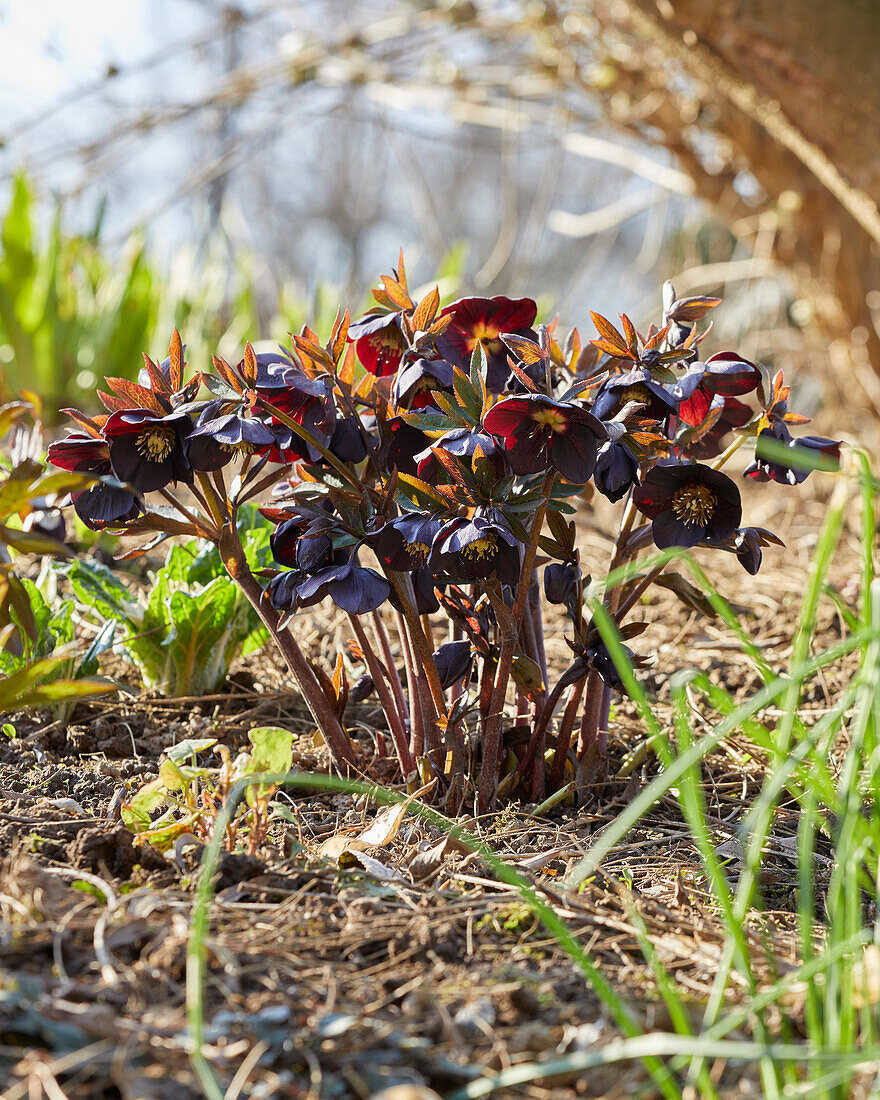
x=481 y=321
x=688 y=503
x=404 y=543
x=774 y=467
x=379 y=341
x=146 y=450
x=540 y=433
x=473 y=549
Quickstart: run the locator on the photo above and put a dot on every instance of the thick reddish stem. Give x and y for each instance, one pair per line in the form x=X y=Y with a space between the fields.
x=509 y=630
x=325 y=717
x=381 y=677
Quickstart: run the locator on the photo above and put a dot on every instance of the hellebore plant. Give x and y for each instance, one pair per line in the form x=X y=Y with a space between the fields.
x=420 y=468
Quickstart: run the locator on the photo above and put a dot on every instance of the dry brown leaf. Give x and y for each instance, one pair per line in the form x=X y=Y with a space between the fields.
x=383 y=829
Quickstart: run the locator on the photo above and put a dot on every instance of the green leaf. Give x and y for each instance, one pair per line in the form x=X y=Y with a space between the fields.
x=136 y=813
x=98 y=587
x=24 y=688
x=102 y=641
x=185 y=750
x=272 y=749
x=174 y=777
x=468 y=397
x=272 y=753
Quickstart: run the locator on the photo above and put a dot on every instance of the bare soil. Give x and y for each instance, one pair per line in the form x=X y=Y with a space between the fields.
x=329 y=981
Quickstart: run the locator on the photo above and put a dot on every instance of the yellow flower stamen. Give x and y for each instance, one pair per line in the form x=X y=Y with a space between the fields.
x=481 y=548
x=639 y=392
x=694 y=505
x=156 y=441
x=418 y=550
x=243 y=448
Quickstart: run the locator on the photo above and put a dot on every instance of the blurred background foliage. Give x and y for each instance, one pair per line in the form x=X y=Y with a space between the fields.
x=238 y=166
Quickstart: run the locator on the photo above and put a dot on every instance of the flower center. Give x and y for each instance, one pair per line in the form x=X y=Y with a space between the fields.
x=156 y=441
x=550 y=418
x=694 y=505
x=419 y=550
x=481 y=548
x=242 y=448
x=639 y=392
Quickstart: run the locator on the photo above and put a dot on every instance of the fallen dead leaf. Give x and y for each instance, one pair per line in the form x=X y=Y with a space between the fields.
x=380 y=832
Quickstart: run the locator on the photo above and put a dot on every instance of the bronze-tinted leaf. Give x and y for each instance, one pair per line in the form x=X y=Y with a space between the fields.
x=138 y=397
x=175 y=357
x=249 y=372
x=609 y=334
x=614 y=350
x=114 y=404
x=91 y=424
x=656 y=338
x=426 y=310
x=629 y=332
x=396 y=293
x=527 y=350
x=339 y=336
x=158 y=381
x=347 y=370
x=441 y=324
x=400 y=273
x=227 y=374
x=692 y=309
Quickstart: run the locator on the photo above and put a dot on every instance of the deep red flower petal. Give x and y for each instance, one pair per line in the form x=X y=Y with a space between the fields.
x=695 y=410
x=381 y=352
x=505 y=417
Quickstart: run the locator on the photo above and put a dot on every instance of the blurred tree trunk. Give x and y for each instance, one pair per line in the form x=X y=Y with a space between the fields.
x=790 y=89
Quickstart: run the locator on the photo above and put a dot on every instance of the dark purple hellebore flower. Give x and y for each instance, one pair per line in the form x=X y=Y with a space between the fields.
x=80 y=454
x=747 y=543
x=482 y=320
x=473 y=549
x=461 y=443
x=347 y=442
x=283 y=590
x=404 y=543
x=688 y=504
x=351 y=587
x=637 y=385
x=424 y=588
x=146 y=450
x=401 y=444
x=453 y=662
x=560 y=581
x=101 y=505
x=775 y=469
x=601 y=660
x=314 y=551
x=416 y=379
x=379 y=341
x=283 y=540
x=617 y=470
x=106 y=506
x=215 y=443
x=539 y=432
